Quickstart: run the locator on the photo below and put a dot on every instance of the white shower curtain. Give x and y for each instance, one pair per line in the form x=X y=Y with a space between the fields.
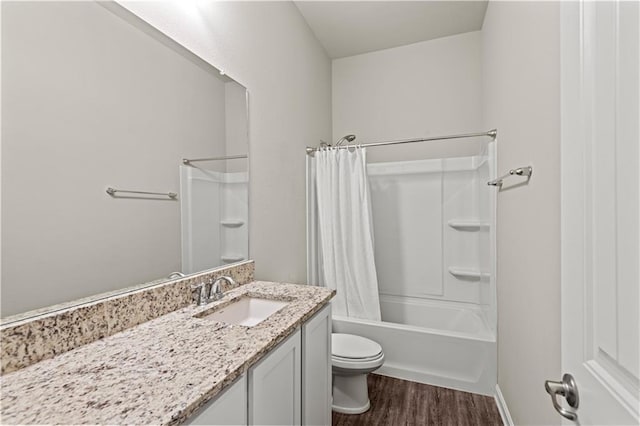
x=345 y=230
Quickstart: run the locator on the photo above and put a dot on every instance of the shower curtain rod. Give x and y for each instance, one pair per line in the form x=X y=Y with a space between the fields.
x=491 y=133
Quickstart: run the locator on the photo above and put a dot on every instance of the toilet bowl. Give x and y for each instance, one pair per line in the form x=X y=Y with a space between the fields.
x=352 y=358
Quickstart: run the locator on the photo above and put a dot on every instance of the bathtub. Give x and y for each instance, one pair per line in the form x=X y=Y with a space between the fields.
x=434 y=342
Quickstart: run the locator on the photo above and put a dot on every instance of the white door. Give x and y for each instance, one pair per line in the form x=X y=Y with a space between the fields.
x=600 y=209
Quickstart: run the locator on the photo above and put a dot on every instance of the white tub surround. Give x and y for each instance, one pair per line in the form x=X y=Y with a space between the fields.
x=450 y=318
x=433 y=227
x=434 y=234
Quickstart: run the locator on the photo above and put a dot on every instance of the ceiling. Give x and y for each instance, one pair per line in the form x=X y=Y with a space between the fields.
x=347 y=28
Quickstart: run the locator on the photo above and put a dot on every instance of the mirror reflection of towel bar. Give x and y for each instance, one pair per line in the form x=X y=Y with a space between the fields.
x=188 y=161
x=520 y=171
x=113 y=191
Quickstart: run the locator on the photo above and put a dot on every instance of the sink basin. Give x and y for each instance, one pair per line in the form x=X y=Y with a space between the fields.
x=247 y=311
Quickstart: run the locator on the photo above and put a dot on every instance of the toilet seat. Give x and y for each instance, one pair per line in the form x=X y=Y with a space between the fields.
x=350 y=352
x=351 y=347
x=364 y=364
x=356 y=360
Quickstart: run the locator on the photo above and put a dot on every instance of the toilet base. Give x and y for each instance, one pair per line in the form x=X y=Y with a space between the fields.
x=349 y=410
x=350 y=394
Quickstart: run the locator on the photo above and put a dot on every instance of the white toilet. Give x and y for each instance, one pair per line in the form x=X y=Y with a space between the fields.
x=352 y=358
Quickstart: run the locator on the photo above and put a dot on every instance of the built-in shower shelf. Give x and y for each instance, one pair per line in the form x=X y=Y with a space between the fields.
x=231 y=259
x=230 y=223
x=468 y=225
x=470 y=274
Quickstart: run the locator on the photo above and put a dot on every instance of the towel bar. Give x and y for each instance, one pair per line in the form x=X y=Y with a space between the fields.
x=113 y=191
x=520 y=171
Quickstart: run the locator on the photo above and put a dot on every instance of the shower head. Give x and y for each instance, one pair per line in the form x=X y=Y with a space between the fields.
x=346 y=139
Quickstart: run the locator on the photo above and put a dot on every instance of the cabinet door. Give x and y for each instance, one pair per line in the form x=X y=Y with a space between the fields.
x=228 y=408
x=316 y=369
x=274 y=386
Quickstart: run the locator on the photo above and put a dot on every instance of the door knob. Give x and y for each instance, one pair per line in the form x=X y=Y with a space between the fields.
x=569 y=390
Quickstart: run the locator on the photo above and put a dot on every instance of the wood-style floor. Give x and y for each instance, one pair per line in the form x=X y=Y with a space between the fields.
x=396 y=402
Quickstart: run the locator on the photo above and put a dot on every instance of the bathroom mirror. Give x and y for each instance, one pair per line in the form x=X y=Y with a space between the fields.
x=95 y=98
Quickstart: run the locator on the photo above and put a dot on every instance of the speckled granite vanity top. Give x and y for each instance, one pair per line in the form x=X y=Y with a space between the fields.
x=158 y=372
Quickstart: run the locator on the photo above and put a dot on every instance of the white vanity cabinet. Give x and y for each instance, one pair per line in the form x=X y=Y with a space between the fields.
x=274 y=385
x=316 y=369
x=291 y=385
x=228 y=408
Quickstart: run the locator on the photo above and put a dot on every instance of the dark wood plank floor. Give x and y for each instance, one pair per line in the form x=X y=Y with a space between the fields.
x=397 y=402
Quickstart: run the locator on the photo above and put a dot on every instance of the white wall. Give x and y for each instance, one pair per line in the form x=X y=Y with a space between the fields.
x=424 y=89
x=268 y=47
x=521 y=42
x=83 y=111
x=236 y=127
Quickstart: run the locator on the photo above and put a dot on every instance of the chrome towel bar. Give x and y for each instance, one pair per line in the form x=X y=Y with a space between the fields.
x=520 y=171
x=188 y=161
x=113 y=191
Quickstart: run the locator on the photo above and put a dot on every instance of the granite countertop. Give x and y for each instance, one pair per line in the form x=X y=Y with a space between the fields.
x=159 y=372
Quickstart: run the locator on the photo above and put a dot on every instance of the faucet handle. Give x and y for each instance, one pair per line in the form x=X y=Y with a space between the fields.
x=202 y=293
x=216 y=292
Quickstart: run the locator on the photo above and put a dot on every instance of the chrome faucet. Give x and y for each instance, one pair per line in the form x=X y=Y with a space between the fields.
x=216 y=288
x=176 y=275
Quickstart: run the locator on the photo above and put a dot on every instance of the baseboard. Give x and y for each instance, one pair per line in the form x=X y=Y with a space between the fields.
x=502 y=408
x=413 y=375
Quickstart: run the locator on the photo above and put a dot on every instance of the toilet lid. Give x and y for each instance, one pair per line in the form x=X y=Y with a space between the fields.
x=353 y=347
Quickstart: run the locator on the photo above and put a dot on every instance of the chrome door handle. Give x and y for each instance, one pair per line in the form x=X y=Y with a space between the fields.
x=569 y=390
